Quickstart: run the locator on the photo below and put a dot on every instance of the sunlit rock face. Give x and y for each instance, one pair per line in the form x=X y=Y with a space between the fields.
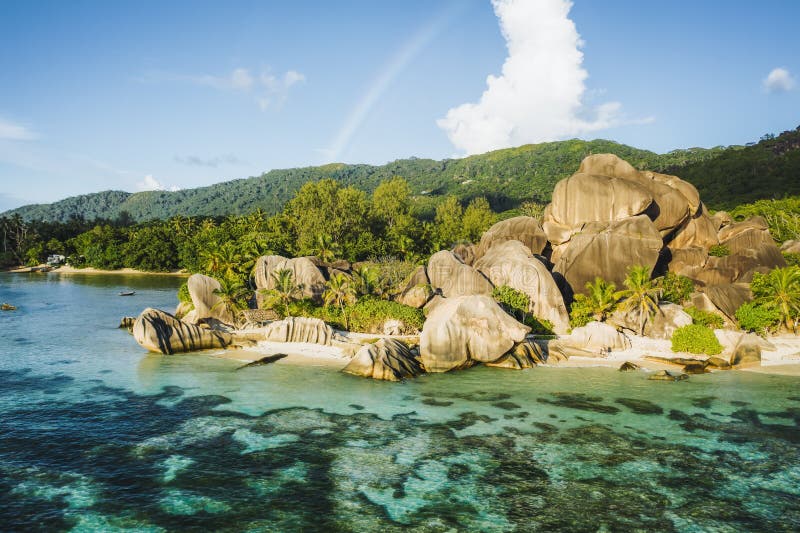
x=609 y=216
x=699 y=230
x=583 y=198
x=596 y=336
x=526 y=354
x=463 y=331
x=417 y=290
x=453 y=278
x=660 y=325
x=387 y=359
x=158 y=331
x=207 y=304
x=305 y=273
x=608 y=250
x=467 y=253
x=511 y=263
x=750 y=246
x=673 y=200
x=526 y=230
x=299 y=329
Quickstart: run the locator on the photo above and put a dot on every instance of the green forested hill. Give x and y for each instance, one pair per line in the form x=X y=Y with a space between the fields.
x=725 y=176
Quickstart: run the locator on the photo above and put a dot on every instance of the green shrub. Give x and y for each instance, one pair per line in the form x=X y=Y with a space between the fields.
x=393 y=273
x=367 y=315
x=758 y=318
x=697 y=339
x=719 y=250
x=782 y=216
x=514 y=302
x=704 y=318
x=581 y=312
x=517 y=304
x=183 y=294
x=675 y=288
x=540 y=326
x=792 y=259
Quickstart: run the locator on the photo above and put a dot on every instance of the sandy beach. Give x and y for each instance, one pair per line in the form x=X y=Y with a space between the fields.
x=298 y=353
x=784 y=360
x=66 y=269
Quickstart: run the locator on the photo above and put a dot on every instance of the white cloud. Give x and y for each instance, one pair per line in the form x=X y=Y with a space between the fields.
x=539 y=95
x=11 y=131
x=149 y=183
x=276 y=88
x=214 y=162
x=239 y=79
x=779 y=80
x=266 y=89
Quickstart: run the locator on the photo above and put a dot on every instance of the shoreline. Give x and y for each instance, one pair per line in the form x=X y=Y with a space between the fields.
x=774 y=362
x=94 y=271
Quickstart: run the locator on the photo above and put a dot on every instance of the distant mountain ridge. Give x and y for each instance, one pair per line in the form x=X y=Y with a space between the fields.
x=725 y=177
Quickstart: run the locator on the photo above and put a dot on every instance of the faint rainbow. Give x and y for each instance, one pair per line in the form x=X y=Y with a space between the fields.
x=399 y=61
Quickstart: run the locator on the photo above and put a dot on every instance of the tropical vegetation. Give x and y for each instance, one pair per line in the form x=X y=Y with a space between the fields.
x=675 y=288
x=640 y=296
x=704 y=318
x=779 y=292
x=509 y=179
x=695 y=339
x=598 y=303
x=518 y=304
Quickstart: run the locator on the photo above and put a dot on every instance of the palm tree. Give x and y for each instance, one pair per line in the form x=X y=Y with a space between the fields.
x=602 y=298
x=340 y=292
x=366 y=280
x=781 y=290
x=326 y=248
x=233 y=295
x=285 y=288
x=250 y=247
x=231 y=260
x=641 y=295
x=212 y=260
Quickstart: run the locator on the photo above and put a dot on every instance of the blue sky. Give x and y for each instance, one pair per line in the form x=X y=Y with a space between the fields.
x=135 y=95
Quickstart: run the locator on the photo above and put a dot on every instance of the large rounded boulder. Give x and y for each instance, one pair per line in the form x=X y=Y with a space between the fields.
x=449 y=274
x=417 y=290
x=608 y=250
x=597 y=336
x=387 y=359
x=674 y=200
x=660 y=325
x=467 y=330
x=723 y=299
x=158 y=331
x=698 y=231
x=607 y=165
x=526 y=354
x=791 y=247
x=207 y=304
x=510 y=263
x=751 y=246
x=299 y=329
x=584 y=198
x=526 y=230
x=306 y=275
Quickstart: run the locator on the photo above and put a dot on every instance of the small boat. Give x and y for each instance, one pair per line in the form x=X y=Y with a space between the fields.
x=7 y=307
x=127 y=293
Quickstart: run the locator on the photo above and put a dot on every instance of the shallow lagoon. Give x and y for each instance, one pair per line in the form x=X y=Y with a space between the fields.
x=97 y=435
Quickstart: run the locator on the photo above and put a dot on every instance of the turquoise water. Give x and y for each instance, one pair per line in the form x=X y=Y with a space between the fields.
x=96 y=435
